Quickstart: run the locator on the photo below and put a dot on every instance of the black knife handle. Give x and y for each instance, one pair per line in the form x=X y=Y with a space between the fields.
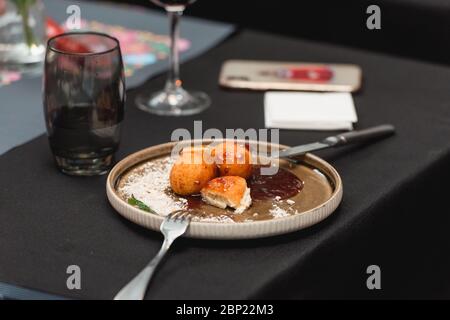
x=362 y=136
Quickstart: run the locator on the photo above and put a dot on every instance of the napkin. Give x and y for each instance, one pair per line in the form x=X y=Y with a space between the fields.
x=309 y=111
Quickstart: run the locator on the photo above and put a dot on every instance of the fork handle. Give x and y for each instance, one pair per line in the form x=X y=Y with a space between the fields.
x=136 y=288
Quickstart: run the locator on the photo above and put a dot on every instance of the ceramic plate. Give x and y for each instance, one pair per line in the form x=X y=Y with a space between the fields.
x=144 y=175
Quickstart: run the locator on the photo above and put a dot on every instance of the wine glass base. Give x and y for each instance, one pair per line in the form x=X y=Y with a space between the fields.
x=176 y=103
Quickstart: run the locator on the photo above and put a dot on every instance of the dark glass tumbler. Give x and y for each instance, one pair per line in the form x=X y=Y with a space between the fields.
x=84 y=95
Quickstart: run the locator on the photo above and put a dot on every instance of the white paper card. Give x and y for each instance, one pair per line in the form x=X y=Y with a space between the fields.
x=309 y=110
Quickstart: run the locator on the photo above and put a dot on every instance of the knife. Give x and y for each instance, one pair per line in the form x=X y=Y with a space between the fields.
x=352 y=137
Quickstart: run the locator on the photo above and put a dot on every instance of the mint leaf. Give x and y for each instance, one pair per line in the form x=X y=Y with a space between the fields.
x=139 y=204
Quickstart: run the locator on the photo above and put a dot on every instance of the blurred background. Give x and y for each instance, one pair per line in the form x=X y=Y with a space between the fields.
x=419 y=29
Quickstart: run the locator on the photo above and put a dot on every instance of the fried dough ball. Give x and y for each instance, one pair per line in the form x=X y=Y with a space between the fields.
x=191 y=173
x=233 y=159
x=206 y=151
x=229 y=191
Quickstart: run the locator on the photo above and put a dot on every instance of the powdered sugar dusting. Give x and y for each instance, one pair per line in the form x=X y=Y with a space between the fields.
x=222 y=218
x=278 y=212
x=150 y=184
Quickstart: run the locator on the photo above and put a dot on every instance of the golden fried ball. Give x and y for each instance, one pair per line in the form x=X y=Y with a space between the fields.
x=205 y=151
x=191 y=173
x=233 y=159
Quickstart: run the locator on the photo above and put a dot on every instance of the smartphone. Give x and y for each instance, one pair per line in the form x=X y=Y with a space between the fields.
x=299 y=76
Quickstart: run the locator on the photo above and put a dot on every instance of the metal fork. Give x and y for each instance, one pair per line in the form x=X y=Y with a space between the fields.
x=173 y=226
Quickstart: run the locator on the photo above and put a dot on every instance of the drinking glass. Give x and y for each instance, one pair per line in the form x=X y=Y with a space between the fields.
x=173 y=100
x=84 y=95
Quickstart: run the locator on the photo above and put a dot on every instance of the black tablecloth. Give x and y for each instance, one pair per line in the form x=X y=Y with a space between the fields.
x=392 y=213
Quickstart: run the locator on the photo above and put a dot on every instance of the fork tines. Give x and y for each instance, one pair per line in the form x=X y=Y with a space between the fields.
x=179 y=215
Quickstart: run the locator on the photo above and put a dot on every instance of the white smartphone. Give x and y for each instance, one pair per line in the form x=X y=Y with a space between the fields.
x=299 y=76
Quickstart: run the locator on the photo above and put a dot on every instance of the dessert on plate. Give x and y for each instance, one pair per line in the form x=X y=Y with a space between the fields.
x=232 y=159
x=219 y=174
x=191 y=172
x=228 y=191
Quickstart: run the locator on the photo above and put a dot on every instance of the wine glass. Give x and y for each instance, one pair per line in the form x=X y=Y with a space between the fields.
x=173 y=100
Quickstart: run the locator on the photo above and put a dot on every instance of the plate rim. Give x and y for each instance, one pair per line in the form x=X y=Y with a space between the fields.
x=329 y=205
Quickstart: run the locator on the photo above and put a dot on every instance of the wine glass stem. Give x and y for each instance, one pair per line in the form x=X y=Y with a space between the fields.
x=173 y=81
